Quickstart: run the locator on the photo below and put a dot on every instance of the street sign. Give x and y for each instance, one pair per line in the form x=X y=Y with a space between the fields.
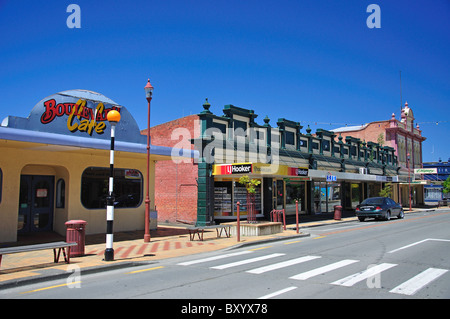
x=331 y=178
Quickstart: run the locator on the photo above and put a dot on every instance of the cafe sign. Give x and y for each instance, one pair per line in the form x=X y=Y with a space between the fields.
x=79 y=116
x=78 y=113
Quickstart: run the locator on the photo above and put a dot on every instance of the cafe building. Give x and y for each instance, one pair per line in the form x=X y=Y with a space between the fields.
x=318 y=170
x=54 y=167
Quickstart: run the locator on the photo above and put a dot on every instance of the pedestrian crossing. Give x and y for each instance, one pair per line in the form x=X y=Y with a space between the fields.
x=408 y=287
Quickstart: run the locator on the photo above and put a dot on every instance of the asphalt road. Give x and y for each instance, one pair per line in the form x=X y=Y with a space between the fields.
x=395 y=259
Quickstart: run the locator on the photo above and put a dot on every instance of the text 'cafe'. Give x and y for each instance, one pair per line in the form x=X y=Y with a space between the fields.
x=54 y=167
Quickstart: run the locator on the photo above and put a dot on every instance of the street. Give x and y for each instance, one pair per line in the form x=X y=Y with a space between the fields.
x=401 y=258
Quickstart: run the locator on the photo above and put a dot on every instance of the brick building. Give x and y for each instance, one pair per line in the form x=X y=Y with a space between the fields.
x=176 y=181
x=317 y=170
x=404 y=137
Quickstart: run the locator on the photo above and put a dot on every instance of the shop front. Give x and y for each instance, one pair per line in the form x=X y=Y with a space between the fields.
x=283 y=187
x=55 y=167
x=280 y=186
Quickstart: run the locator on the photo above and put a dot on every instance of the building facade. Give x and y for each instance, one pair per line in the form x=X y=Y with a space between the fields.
x=54 y=167
x=434 y=191
x=318 y=170
x=406 y=139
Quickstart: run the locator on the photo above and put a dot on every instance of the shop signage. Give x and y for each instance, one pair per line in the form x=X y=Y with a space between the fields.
x=258 y=168
x=331 y=178
x=78 y=113
x=298 y=171
x=240 y=168
x=80 y=117
x=425 y=171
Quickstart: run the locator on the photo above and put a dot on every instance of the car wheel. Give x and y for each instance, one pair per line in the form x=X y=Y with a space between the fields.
x=361 y=219
x=388 y=215
x=401 y=214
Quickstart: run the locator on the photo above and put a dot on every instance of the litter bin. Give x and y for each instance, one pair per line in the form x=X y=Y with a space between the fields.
x=337 y=212
x=75 y=233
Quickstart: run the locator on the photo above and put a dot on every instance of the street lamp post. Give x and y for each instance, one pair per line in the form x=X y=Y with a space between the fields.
x=409 y=182
x=148 y=94
x=113 y=118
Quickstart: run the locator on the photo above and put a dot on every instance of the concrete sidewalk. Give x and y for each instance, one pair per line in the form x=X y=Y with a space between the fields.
x=130 y=250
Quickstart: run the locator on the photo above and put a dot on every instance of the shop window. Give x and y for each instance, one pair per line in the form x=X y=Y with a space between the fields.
x=290 y=138
x=221 y=127
x=303 y=143
x=240 y=128
x=95 y=184
x=60 y=193
x=326 y=145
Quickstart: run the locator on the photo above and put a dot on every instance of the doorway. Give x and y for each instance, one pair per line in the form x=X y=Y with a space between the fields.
x=35 y=203
x=277 y=194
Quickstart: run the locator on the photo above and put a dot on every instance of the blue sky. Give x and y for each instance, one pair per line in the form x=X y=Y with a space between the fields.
x=315 y=62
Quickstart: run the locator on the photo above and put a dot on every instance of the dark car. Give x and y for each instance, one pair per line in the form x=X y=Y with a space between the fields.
x=379 y=208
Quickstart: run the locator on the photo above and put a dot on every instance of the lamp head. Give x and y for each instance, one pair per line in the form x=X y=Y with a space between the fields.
x=113 y=117
x=148 y=90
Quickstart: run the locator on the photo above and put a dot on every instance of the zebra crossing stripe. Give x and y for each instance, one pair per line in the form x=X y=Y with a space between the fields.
x=277 y=293
x=197 y=261
x=355 y=278
x=247 y=261
x=324 y=269
x=411 y=286
x=282 y=264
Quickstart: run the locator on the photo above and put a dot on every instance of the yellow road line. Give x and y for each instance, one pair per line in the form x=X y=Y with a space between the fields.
x=261 y=248
x=51 y=287
x=292 y=242
x=142 y=270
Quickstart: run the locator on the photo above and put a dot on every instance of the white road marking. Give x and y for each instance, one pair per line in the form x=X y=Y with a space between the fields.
x=196 y=261
x=416 y=283
x=324 y=269
x=282 y=264
x=277 y=293
x=355 y=278
x=246 y=261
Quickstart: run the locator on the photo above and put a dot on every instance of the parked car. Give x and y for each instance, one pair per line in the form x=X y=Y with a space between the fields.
x=379 y=208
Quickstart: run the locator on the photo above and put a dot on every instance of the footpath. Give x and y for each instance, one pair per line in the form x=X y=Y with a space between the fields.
x=167 y=241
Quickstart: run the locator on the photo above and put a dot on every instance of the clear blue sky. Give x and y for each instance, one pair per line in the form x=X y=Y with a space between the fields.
x=304 y=60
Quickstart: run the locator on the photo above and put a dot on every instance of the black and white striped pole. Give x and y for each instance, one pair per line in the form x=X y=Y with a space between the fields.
x=113 y=118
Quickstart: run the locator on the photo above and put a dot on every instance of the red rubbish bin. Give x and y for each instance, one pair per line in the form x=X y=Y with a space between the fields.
x=75 y=233
x=337 y=212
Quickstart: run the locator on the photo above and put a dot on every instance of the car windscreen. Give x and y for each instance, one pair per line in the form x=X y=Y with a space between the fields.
x=373 y=201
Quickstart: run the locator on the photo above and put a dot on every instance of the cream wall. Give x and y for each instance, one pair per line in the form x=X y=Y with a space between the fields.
x=19 y=158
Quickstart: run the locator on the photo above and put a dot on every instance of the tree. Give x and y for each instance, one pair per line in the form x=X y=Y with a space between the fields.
x=250 y=184
x=386 y=191
x=380 y=139
x=446 y=185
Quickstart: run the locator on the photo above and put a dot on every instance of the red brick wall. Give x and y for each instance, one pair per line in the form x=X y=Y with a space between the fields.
x=175 y=183
x=370 y=133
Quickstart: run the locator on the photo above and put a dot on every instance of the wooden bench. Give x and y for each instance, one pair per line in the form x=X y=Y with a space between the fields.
x=443 y=203
x=60 y=245
x=199 y=231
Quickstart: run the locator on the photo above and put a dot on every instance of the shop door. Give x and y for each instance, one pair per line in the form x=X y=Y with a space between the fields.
x=278 y=194
x=35 y=203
